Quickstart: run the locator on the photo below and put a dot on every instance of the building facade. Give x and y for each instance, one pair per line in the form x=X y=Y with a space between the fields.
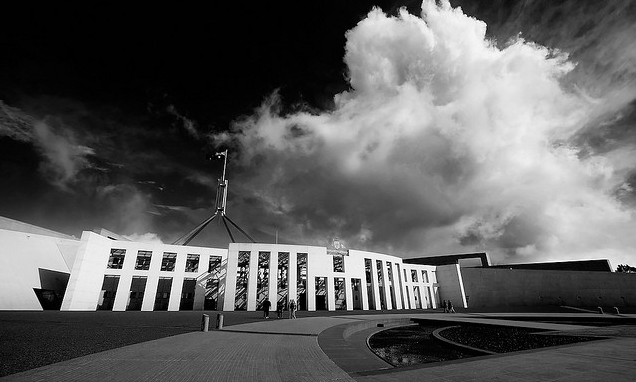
x=124 y=275
x=42 y=269
x=102 y=271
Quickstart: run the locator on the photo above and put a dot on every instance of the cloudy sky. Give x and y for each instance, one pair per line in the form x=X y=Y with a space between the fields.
x=401 y=127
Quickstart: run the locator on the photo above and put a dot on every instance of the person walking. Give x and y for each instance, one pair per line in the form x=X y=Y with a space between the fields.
x=279 y=308
x=266 y=306
x=451 y=309
x=292 y=309
x=445 y=306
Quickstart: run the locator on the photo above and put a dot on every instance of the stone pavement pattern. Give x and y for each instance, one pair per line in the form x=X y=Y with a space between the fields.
x=261 y=351
x=212 y=356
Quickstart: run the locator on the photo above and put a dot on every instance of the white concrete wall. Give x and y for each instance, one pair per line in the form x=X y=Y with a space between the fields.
x=87 y=273
x=92 y=258
x=451 y=285
x=521 y=287
x=91 y=263
x=21 y=256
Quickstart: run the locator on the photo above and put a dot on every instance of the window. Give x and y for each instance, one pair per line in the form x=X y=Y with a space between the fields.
x=425 y=276
x=192 y=263
x=367 y=270
x=168 y=261
x=109 y=291
x=143 y=260
x=301 y=281
x=116 y=259
x=242 y=277
x=414 y=275
x=338 y=263
x=187 y=294
x=162 y=297
x=339 y=291
x=262 y=279
x=215 y=264
x=136 y=294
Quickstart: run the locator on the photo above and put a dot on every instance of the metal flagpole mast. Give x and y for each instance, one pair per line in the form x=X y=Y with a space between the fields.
x=219 y=211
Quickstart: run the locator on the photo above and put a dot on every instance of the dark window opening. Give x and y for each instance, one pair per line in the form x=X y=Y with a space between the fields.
x=168 y=261
x=162 y=298
x=136 y=296
x=192 y=263
x=116 y=259
x=143 y=260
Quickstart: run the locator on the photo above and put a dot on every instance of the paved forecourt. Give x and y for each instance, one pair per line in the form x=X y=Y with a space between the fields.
x=289 y=350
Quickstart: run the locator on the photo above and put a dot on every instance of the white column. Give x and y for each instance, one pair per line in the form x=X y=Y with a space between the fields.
x=175 y=293
x=123 y=291
x=229 y=297
x=331 y=294
x=364 y=293
x=292 y=276
x=251 y=281
x=273 y=280
x=150 y=293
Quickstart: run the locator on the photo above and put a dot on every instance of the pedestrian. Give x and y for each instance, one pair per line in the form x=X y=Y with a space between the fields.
x=266 y=306
x=292 y=309
x=451 y=309
x=279 y=308
x=445 y=306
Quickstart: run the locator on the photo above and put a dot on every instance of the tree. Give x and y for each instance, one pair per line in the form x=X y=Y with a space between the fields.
x=624 y=268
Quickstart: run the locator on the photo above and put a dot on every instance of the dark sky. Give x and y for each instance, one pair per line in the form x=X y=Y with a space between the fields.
x=108 y=112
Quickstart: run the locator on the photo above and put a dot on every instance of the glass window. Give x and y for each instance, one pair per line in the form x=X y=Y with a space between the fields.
x=109 y=291
x=143 y=260
x=425 y=276
x=242 y=275
x=192 y=263
x=187 y=294
x=281 y=277
x=162 y=298
x=136 y=296
x=214 y=264
x=116 y=259
x=338 y=263
x=262 y=279
x=168 y=261
x=301 y=281
x=339 y=290
x=414 y=275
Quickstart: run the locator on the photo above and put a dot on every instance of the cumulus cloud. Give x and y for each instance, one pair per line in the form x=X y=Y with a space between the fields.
x=444 y=143
x=152 y=238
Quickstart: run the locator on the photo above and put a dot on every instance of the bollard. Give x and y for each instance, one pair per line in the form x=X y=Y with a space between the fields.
x=205 y=323
x=219 y=321
x=600 y=309
x=616 y=310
